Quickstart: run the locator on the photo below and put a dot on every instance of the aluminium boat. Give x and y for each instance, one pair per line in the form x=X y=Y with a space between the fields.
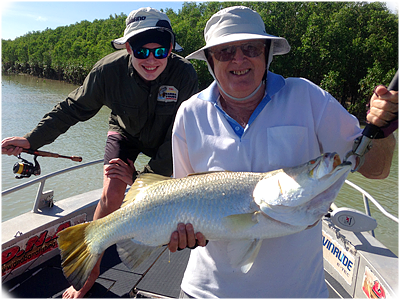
x=356 y=264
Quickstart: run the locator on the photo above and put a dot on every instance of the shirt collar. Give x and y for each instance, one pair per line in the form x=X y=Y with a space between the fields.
x=211 y=94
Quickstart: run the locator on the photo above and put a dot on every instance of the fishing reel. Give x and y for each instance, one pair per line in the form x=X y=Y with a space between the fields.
x=25 y=168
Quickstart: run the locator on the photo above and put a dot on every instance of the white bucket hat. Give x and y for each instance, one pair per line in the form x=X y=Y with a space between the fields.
x=144 y=19
x=238 y=23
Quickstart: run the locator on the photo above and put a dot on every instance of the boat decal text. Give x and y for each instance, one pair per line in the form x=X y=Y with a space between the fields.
x=34 y=246
x=338 y=257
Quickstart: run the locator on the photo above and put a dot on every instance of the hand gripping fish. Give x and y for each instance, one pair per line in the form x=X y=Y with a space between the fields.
x=240 y=207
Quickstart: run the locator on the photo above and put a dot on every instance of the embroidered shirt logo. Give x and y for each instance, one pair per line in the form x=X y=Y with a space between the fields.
x=167 y=93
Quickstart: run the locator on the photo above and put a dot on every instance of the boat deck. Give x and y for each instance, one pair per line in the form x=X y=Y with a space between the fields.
x=158 y=277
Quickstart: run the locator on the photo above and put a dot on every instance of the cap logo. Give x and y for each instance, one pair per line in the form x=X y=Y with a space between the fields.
x=136 y=19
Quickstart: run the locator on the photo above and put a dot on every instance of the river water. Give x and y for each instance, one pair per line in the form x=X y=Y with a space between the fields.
x=25 y=99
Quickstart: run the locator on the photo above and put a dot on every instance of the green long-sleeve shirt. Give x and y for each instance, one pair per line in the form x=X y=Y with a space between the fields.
x=140 y=111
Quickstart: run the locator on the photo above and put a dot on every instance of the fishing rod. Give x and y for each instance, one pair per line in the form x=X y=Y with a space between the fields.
x=47 y=154
x=363 y=143
x=25 y=168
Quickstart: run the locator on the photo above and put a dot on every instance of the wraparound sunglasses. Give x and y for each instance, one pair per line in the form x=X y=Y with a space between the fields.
x=143 y=53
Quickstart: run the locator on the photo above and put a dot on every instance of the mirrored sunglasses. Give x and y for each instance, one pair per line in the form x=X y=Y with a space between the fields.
x=143 y=53
x=227 y=53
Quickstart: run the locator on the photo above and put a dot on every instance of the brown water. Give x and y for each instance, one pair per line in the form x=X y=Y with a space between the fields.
x=26 y=99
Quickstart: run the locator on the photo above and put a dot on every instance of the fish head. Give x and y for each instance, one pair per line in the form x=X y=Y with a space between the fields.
x=298 y=185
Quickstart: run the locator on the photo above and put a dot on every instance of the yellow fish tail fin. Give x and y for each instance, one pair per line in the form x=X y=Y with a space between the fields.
x=76 y=259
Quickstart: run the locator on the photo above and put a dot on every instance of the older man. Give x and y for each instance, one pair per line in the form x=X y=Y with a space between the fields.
x=250 y=119
x=143 y=85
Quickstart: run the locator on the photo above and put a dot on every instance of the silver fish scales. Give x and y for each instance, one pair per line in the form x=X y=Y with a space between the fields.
x=240 y=207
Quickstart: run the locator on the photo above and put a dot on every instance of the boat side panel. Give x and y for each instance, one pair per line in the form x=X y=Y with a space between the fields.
x=375 y=267
x=35 y=233
x=340 y=257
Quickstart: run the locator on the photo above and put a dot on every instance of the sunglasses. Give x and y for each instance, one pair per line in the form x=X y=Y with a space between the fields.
x=227 y=53
x=143 y=53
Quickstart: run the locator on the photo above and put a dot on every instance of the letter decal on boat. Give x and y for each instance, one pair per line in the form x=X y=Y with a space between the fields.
x=32 y=247
x=338 y=257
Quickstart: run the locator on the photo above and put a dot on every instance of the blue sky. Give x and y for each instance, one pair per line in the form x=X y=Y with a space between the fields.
x=18 y=18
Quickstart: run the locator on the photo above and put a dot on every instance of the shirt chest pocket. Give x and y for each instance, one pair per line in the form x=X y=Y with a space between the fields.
x=165 y=108
x=288 y=146
x=129 y=117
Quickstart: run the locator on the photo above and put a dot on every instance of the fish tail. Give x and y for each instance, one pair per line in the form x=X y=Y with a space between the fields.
x=77 y=260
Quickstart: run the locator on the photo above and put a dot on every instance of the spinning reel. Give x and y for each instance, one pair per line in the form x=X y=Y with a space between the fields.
x=25 y=168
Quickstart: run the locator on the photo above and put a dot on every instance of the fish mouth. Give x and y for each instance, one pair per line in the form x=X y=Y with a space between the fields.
x=336 y=161
x=333 y=165
x=341 y=165
x=328 y=162
x=340 y=169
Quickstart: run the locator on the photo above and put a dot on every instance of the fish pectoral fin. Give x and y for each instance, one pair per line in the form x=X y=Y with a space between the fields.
x=240 y=221
x=141 y=183
x=242 y=253
x=133 y=254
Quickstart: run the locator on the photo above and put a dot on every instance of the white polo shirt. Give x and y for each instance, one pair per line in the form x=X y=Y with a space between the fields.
x=295 y=122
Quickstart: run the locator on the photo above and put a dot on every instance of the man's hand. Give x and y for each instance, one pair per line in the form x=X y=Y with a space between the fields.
x=16 y=145
x=185 y=237
x=118 y=169
x=383 y=112
x=383 y=107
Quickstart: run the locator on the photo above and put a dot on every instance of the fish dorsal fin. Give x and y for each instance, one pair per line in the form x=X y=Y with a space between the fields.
x=141 y=183
x=242 y=253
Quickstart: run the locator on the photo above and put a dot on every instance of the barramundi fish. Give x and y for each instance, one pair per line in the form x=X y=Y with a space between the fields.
x=240 y=207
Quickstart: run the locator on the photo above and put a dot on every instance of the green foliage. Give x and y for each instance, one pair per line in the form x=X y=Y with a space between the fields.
x=345 y=47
